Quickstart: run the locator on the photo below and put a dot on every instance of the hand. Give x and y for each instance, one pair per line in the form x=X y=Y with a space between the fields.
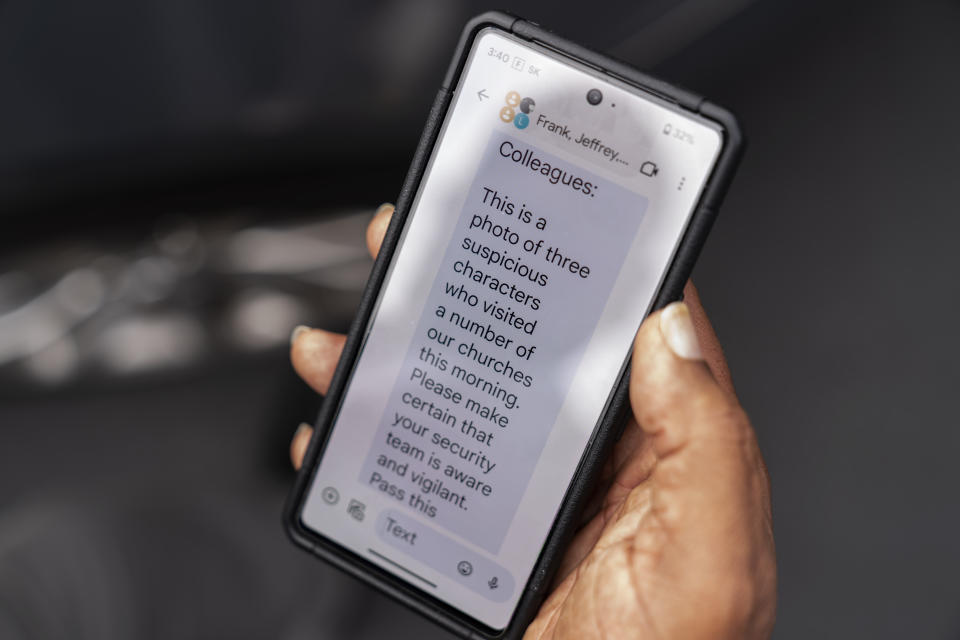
x=679 y=540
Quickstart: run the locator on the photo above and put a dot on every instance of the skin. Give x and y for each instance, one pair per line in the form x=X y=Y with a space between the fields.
x=678 y=540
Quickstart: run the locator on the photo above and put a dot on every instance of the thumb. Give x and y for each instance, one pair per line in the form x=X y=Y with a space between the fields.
x=708 y=462
x=713 y=496
x=675 y=397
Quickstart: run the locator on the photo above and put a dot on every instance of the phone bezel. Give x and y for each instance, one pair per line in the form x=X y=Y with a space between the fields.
x=611 y=422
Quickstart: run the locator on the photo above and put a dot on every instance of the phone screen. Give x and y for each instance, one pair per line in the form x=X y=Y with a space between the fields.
x=546 y=219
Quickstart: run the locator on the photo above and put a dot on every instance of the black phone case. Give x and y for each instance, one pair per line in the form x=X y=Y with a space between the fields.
x=614 y=417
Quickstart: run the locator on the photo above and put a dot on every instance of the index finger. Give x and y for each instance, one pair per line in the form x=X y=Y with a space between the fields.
x=315 y=352
x=377 y=228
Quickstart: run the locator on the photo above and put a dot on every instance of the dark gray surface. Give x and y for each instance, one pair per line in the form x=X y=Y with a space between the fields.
x=155 y=513
x=829 y=277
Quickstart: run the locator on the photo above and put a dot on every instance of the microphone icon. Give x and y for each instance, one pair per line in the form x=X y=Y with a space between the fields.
x=493 y=583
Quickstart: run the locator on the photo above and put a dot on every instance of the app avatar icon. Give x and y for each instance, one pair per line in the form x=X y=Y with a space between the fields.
x=517 y=110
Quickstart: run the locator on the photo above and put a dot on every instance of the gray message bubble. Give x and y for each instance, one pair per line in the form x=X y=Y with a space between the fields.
x=496 y=347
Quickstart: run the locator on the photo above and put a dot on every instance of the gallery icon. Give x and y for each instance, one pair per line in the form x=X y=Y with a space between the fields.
x=517 y=110
x=356 y=510
x=330 y=495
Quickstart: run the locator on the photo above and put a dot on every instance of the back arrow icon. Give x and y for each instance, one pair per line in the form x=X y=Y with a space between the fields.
x=482 y=94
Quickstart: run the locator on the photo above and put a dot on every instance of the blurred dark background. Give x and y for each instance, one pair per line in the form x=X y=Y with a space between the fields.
x=181 y=183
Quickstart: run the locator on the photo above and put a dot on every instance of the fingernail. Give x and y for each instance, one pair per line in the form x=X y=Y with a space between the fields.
x=676 y=327
x=297 y=330
x=383 y=207
x=304 y=427
x=298 y=445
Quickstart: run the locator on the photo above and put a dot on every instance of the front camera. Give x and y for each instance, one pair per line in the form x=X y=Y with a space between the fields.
x=594 y=97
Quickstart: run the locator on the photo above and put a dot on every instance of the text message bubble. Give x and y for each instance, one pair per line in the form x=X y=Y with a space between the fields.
x=521 y=288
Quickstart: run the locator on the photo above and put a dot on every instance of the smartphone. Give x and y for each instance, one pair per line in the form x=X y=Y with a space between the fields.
x=556 y=197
